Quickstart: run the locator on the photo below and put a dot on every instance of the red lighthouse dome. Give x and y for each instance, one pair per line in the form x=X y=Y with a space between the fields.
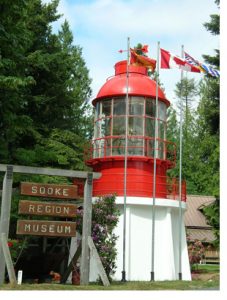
x=139 y=84
x=107 y=153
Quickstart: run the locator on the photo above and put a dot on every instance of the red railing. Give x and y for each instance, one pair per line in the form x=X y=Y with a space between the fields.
x=172 y=189
x=137 y=146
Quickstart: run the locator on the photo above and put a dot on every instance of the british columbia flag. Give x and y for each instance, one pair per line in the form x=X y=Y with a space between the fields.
x=204 y=68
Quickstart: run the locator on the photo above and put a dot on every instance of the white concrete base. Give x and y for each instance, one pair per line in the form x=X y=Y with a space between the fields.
x=139 y=238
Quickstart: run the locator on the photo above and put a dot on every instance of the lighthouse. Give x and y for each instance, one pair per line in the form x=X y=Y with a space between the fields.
x=130 y=96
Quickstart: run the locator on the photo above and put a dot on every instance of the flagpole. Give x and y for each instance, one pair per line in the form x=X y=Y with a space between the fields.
x=180 y=172
x=125 y=163
x=154 y=170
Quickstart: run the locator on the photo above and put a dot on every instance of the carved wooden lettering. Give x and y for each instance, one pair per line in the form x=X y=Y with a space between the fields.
x=46 y=228
x=47 y=209
x=49 y=190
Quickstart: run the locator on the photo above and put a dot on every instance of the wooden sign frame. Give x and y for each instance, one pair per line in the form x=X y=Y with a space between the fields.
x=6 y=206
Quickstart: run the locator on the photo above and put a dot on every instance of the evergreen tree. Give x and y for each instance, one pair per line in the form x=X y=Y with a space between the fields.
x=208 y=133
x=44 y=116
x=45 y=119
x=172 y=135
x=208 y=121
x=172 y=131
x=186 y=91
x=190 y=158
x=15 y=39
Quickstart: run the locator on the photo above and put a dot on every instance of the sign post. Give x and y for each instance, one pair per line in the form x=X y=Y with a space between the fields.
x=8 y=260
x=5 y=214
x=86 y=231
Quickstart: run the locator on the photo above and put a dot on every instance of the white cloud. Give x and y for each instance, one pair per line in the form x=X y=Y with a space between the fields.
x=163 y=18
x=101 y=28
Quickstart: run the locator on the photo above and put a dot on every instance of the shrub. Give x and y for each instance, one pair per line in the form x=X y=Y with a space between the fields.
x=105 y=216
x=196 y=251
x=16 y=247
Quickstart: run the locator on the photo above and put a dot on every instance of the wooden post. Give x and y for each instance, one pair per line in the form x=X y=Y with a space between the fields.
x=99 y=265
x=8 y=260
x=5 y=214
x=70 y=266
x=86 y=231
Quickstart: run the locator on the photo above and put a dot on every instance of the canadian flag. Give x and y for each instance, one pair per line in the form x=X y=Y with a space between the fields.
x=169 y=61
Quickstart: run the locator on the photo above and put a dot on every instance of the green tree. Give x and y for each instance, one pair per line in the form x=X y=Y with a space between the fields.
x=212 y=215
x=208 y=132
x=172 y=135
x=214 y=27
x=172 y=131
x=209 y=114
x=186 y=91
x=190 y=159
x=15 y=39
x=45 y=118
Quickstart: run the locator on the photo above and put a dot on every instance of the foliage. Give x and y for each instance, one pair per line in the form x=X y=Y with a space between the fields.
x=45 y=119
x=196 y=251
x=16 y=248
x=190 y=162
x=212 y=215
x=44 y=116
x=104 y=219
x=209 y=128
x=186 y=90
x=200 y=163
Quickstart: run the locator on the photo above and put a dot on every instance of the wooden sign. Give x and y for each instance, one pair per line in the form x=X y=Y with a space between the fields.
x=46 y=228
x=49 y=190
x=47 y=209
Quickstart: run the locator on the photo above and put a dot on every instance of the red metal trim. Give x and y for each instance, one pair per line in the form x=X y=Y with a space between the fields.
x=139 y=186
x=169 y=155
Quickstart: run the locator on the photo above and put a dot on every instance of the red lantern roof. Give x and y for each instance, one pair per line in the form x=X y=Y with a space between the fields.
x=139 y=84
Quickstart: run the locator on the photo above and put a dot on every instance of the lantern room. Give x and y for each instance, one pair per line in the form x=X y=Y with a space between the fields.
x=107 y=152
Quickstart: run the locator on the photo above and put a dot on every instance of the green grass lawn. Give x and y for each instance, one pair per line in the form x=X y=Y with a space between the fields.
x=133 y=285
x=209 y=268
x=196 y=284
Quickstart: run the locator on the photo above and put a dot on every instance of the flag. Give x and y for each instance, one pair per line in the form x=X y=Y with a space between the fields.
x=169 y=61
x=145 y=48
x=204 y=68
x=141 y=60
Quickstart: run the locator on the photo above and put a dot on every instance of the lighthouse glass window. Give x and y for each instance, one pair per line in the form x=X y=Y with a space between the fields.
x=119 y=107
x=136 y=106
x=106 y=108
x=119 y=110
x=150 y=107
x=162 y=111
x=110 y=127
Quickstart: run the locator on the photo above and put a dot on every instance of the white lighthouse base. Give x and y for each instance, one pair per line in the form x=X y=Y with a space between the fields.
x=138 y=241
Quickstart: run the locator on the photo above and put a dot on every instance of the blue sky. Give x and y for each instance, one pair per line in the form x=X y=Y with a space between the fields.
x=101 y=28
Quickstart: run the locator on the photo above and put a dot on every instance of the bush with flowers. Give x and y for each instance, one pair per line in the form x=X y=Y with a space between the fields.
x=196 y=251
x=16 y=248
x=105 y=216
